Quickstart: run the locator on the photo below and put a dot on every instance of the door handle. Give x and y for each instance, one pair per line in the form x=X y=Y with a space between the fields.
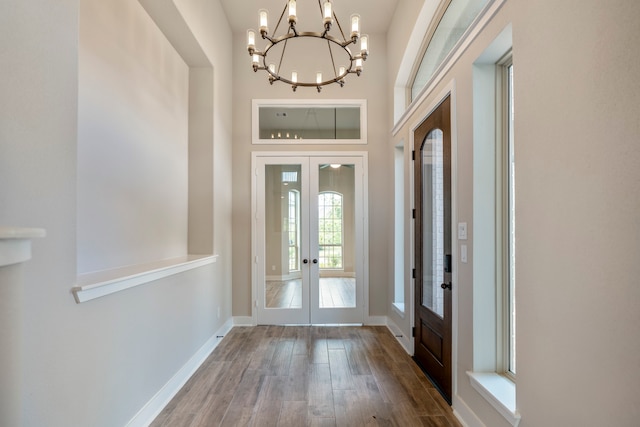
x=446 y=285
x=315 y=261
x=305 y=261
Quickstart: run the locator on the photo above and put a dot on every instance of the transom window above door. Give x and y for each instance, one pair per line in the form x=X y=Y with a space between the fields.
x=292 y=121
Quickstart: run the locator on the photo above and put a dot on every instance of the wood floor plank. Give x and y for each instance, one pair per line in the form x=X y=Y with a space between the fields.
x=297 y=383
x=347 y=408
x=293 y=414
x=308 y=376
x=281 y=361
x=320 y=391
x=340 y=372
x=357 y=358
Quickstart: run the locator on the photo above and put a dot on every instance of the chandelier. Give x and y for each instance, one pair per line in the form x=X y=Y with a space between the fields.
x=352 y=63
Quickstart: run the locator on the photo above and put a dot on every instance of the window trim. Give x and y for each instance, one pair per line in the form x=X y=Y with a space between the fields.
x=488 y=377
x=503 y=216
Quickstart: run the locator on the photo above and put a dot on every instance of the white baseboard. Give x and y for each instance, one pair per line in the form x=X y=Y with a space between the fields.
x=403 y=339
x=243 y=321
x=376 y=321
x=150 y=411
x=464 y=414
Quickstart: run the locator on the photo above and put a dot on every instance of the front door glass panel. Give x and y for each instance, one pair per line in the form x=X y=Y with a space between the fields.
x=433 y=222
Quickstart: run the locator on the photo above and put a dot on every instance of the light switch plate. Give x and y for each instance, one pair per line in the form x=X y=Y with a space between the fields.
x=462 y=231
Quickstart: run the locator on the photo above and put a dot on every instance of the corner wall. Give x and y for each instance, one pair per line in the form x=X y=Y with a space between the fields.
x=96 y=363
x=576 y=136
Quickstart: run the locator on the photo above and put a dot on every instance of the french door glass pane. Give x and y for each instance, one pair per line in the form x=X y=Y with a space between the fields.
x=433 y=222
x=336 y=236
x=283 y=278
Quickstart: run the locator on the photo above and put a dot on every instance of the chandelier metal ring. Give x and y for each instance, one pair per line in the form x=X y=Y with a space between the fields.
x=355 y=60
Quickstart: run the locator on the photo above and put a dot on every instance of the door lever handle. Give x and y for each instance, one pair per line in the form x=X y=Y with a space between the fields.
x=446 y=285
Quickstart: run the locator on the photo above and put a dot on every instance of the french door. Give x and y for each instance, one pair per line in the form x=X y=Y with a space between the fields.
x=433 y=256
x=308 y=239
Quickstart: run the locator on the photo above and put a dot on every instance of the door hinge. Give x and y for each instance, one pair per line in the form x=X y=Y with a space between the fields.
x=413 y=273
x=413 y=332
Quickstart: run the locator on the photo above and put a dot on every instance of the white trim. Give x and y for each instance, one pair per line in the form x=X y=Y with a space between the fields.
x=153 y=407
x=15 y=244
x=308 y=103
x=499 y=391
x=96 y=285
x=476 y=28
x=243 y=321
x=465 y=414
x=405 y=340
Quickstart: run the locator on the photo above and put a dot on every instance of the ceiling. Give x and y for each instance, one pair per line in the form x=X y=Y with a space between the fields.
x=375 y=15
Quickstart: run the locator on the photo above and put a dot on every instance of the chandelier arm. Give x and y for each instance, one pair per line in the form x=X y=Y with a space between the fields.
x=341 y=32
x=275 y=31
x=333 y=62
x=284 y=48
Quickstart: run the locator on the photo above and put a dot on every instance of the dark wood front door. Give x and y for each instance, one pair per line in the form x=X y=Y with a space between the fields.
x=433 y=251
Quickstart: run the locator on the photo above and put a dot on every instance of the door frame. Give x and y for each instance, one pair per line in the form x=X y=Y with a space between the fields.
x=255 y=155
x=448 y=90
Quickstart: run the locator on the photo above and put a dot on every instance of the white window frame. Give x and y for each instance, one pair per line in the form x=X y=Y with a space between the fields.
x=488 y=376
x=504 y=217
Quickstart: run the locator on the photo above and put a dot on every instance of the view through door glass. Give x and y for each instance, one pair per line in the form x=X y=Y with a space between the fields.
x=336 y=236
x=283 y=278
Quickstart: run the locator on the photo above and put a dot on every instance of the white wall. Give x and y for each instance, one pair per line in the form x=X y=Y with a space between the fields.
x=371 y=85
x=99 y=362
x=133 y=140
x=576 y=133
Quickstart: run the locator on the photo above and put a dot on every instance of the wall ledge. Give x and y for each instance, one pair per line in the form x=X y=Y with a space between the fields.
x=499 y=391
x=95 y=285
x=15 y=244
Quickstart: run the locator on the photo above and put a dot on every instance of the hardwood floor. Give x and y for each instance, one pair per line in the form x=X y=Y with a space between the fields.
x=308 y=376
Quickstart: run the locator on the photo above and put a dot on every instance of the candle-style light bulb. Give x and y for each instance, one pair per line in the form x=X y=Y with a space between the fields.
x=264 y=21
x=251 y=41
x=364 y=46
x=355 y=26
x=294 y=76
x=342 y=72
x=358 y=66
x=319 y=77
x=328 y=15
x=292 y=12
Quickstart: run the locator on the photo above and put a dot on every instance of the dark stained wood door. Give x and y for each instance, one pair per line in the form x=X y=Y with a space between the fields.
x=433 y=263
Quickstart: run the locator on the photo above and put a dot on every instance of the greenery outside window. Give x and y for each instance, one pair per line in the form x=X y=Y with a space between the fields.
x=330 y=227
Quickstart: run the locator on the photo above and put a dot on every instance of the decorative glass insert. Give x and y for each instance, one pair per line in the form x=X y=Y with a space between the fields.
x=455 y=21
